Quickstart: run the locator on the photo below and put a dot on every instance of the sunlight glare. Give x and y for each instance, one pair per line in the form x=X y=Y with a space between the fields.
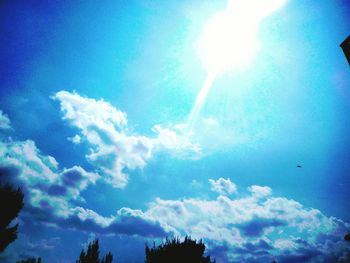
x=228 y=41
x=229 y=38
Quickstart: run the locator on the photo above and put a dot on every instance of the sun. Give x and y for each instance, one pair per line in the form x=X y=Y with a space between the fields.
x=225 y=44
x=229 y=41
x=229 y=38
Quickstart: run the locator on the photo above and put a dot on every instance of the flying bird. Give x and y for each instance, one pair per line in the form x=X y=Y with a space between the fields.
x=299 y=166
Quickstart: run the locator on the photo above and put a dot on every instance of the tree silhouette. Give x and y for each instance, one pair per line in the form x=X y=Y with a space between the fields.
x=92 y=254
x=188 y=251
x=345 y=45
x=108 y=258
x=347 y=237
x=11 y=202
x=30 y=260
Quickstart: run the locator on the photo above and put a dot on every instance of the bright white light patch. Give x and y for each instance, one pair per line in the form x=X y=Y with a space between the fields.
x=225 y=44
x=229 y=38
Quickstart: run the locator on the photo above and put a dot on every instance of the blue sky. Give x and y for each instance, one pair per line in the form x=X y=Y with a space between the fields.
x=94 y=101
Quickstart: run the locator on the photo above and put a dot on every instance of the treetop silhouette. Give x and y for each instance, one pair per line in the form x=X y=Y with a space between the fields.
x=30 y=260
x=188 y=251
x=92 y=254
x=11 y=203
x=347 y=237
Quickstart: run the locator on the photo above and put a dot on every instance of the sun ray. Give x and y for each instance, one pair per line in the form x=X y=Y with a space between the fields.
x=201 y=98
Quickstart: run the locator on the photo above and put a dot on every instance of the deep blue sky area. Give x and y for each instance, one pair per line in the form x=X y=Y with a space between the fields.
x=95 y=99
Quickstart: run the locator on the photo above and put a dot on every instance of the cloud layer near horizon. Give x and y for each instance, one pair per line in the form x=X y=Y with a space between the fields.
x=251 y=225
x=255 y=226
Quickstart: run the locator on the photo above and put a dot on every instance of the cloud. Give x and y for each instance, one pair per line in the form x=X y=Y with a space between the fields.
x=177 y=141
x=51 y=192
x=23 y=161
x=223 y=186
x=76 y=139
x=104 y=128
x=113 y=148
x=124 y=222
x=254 y=227
x=5 y=123
x=257 y=226
x=135 y=222
x=260 y=191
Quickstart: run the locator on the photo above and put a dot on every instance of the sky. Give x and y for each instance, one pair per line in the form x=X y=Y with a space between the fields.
x=101 y=127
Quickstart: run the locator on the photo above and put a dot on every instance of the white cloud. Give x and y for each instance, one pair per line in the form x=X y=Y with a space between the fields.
x=284 y=244
x=88 y=214
x=50 y=193
x=223 y=186
x=257 y=221
x=113 y=149
x=261 y=222
x=76 y=139
x=47 y=185
x=5 y=122
x=260 y=191
x=177 y=140
x=35 y=167
x=217 y=219
x=82 y=111
x=105 y=129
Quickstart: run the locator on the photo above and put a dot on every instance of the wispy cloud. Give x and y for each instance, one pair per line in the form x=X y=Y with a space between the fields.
x=176 y=141
x=5 y=123
x=76 y=139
